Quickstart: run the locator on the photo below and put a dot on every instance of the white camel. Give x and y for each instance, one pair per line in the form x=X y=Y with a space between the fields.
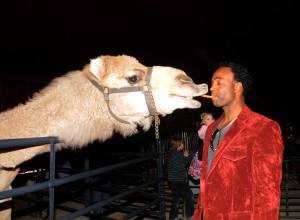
x=73 y=108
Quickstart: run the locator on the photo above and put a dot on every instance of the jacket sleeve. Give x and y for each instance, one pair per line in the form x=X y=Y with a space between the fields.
x=267 y=171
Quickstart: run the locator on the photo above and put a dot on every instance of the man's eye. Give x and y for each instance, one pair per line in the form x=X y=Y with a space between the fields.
x=132 y=79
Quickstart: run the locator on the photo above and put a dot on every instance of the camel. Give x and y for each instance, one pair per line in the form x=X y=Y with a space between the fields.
x=89 y=105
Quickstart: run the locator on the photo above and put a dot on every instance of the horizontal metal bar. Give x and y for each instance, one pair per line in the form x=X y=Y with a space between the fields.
x=78 y=176
x=133 y=154
x=104 y=202
x=26 y=142
x=291 y=187
x=61 y=181
x=290 y=196
x=289 y=217
x=290 y=203
x=291 y=160
x=24 y=189
x=290 y=210
x=140 y=175
x=291 y=174
x=143 y=208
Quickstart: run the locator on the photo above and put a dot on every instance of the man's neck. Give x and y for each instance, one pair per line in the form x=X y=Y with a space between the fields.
x=232 y=112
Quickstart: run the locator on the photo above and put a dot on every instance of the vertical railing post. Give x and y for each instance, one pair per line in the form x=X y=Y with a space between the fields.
x=286 y=188
x=160 y=166
x=87 y=199
x=52 y=177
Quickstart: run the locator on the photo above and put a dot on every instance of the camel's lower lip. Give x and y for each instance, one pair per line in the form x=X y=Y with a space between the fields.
x=182 y=96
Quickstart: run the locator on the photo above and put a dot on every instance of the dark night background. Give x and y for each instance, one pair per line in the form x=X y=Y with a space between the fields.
x=44 y=39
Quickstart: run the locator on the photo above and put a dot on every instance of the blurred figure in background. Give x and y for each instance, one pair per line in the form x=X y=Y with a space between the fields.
x=177 y=178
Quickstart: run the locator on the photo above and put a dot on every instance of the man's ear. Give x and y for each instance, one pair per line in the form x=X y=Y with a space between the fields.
x=238 y=87
x=97 y=67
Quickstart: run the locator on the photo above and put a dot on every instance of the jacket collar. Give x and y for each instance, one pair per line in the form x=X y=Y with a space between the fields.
x=236 y=128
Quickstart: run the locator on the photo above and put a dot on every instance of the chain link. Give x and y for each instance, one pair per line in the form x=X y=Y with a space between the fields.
x=156 y=118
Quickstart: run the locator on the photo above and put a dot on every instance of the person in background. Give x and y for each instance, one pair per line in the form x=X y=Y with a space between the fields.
x=177 y=178
x=100 y=185
x=64 y=169
x=100 y=191
x=207 y=119
x=242 y=155
x=196 y=164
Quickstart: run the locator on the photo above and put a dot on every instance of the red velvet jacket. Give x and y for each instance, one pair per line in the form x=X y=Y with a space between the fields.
x=245 y=176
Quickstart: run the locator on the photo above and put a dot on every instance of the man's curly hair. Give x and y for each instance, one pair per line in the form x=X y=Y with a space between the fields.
x=241 y=74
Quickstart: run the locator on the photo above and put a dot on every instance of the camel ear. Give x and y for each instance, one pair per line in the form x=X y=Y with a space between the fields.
x=97 y=67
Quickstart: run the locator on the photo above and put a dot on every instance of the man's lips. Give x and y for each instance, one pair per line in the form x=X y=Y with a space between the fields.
x=214 y=96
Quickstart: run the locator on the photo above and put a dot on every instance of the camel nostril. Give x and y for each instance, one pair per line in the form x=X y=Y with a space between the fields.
x=185 y=79
x=203 y=88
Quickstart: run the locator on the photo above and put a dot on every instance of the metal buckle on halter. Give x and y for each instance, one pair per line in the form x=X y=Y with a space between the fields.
x=145 y=88
x=106 y=95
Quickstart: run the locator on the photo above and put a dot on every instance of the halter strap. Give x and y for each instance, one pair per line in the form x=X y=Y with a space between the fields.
x=145 y=88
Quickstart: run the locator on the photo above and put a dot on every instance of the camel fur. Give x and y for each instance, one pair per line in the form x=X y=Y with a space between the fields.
x=73 y=109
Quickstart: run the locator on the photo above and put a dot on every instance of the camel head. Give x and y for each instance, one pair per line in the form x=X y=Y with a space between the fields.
x=171 y=88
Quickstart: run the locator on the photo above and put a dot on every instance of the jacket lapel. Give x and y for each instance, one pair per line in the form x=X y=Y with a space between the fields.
x=235 y=129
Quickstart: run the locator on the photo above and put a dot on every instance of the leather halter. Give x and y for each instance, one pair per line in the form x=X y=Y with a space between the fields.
x=145 y=88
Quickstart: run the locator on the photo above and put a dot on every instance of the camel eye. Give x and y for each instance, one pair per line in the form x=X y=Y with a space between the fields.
x=134 y=76
x=133 y=79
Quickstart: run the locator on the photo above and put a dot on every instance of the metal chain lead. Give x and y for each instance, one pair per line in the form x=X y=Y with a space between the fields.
x=156 y=118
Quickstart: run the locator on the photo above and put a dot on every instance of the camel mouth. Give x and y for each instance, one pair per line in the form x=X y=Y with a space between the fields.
x=188 y=100
x=191 y=98
x=182 y=96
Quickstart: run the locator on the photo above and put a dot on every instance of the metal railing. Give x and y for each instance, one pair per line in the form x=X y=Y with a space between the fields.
x=153 y=179
x=290 y=189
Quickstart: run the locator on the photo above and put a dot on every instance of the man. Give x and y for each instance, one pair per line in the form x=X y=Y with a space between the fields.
x=242 y=155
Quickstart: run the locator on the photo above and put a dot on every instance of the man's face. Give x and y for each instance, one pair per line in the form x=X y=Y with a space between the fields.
x=222 y=87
